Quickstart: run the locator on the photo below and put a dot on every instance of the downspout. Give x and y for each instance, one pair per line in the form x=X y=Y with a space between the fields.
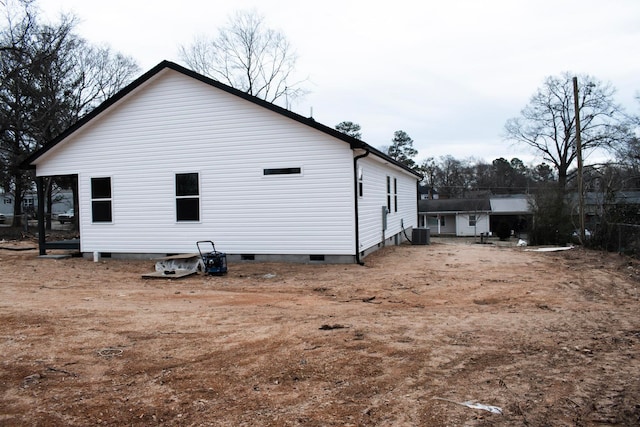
x=356 y=196
x=41 y=220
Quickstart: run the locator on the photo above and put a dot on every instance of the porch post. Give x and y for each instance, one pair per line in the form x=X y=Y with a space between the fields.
x=41 y=218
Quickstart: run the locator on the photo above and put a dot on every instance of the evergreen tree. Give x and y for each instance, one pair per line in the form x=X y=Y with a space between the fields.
x=401 y=149
x=349 y=128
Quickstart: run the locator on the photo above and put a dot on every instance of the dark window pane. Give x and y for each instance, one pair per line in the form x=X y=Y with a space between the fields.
x=187 y=184
x=283 y=171
x=101 y=210
x=100 y=188
x=188 y=209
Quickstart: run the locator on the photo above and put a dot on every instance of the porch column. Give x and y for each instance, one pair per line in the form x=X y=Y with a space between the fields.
x=41 y=218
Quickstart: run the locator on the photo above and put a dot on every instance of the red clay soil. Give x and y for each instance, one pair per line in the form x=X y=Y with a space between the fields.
x=412 y=338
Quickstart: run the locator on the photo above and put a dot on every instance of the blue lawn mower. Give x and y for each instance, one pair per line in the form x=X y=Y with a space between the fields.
x=215 y=263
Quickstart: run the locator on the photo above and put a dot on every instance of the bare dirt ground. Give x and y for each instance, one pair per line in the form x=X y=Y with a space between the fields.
x=549 y=338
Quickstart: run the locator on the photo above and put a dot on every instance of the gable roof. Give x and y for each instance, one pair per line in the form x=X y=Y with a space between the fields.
x=354 y=143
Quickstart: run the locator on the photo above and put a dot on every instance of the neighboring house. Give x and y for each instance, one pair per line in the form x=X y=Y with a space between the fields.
x=595 y=203
x=472 y=217
x=458 y=217
x=6 y=204
x=176 y=157
x=62 y=202
x=512 y=209
x=599 y=205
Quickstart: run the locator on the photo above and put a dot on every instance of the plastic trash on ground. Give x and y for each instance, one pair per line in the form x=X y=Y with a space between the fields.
x=474 y=405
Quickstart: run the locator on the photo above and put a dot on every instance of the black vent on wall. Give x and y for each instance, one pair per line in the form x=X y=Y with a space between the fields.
x=283 y=171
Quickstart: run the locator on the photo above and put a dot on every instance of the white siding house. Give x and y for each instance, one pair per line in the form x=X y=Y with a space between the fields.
x=176 y=157
x=459 y=217
x=472 y=217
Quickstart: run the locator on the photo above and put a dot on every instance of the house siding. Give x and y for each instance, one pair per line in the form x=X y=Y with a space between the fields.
x=177 y=124
x=449 y=226
x=375 y=197
x=464 y=229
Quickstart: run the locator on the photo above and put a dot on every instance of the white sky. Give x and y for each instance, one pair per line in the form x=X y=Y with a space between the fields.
x=449 y=72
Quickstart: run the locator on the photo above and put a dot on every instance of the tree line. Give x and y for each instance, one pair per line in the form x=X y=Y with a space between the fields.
x=567 y=119
x=49 y=78
x=460 y=178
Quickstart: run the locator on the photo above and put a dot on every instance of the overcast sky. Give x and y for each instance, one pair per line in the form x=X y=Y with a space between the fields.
x=449 y=73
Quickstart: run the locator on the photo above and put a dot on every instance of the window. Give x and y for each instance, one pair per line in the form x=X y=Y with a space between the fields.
x=282 y=171
x=395 y=195
x=187 y=197
x=360 y=182
x=388 y=194
x=472 y=220
x=442 y=222
x=101 y=200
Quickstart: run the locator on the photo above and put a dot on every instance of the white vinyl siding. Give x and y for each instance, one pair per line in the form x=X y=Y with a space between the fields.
x=466 y=227
x=174 y=124
x=376 y=197
x=447 y=224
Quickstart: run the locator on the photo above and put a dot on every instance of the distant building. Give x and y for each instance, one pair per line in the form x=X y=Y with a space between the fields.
x=473 y=217
x=62 y=202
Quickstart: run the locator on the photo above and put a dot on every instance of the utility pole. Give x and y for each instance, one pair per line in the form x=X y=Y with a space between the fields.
x=579 y=156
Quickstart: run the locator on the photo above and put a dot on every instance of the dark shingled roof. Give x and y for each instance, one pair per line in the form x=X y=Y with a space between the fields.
x=454 y=205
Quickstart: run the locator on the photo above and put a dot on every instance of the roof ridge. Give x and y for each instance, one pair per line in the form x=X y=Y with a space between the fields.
x=354 y=143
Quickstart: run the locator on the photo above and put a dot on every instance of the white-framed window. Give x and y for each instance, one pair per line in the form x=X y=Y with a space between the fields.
x=472 y=220
x=187 y=197
x=101 y=200
x=360 y=182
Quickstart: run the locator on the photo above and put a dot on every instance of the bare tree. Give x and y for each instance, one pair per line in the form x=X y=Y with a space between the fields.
x=49 y=77
x=547 y=124
x=248 y=56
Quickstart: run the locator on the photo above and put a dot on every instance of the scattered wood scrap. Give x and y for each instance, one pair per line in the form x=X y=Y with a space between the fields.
x=169 y=274
x=331 y=327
